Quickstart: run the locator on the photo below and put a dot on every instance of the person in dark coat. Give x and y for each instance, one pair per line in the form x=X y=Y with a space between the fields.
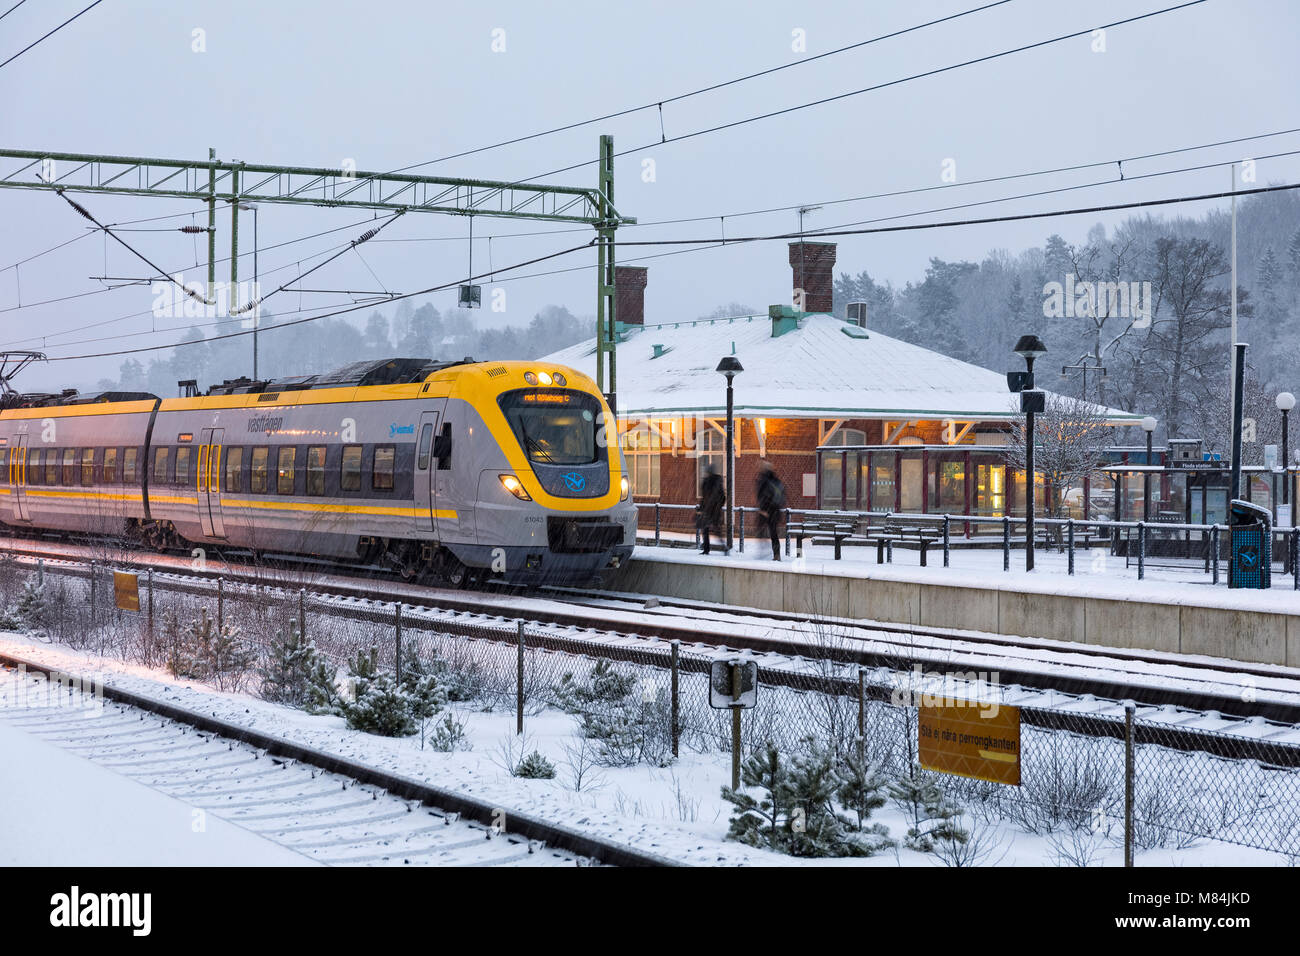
x=769 y=492
x=713 y=498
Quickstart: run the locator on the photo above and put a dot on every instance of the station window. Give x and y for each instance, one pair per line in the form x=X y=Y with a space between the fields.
x=87 y=466
x=69 y=466
x=641 y=449
x=110 y=466
x=235 y=469
x=183 y=456
x=712 y=452
x=51 y=466
x=160 y=465
x=128 y=464
x=284 y=469
x=350 y=469
x=385 y=455
x=257 y=474
x=316 y=470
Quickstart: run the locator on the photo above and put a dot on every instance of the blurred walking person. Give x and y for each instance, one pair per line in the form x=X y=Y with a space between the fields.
x=713 y=497
x=770 y=495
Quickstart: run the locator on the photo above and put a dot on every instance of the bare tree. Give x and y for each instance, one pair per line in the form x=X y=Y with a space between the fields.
x=1070 y=437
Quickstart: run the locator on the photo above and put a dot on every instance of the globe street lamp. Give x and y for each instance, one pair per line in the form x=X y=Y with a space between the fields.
x=1029 y=347
x=1285 y=402
x=730 y=366
x=1148 y=426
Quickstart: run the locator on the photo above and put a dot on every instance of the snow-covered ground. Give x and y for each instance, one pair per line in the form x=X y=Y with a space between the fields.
x=59 y=809
x=676 y=811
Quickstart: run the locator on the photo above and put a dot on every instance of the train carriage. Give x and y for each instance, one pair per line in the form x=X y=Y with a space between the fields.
x=464 y=470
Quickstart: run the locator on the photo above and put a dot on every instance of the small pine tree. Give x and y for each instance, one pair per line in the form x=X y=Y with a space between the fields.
x=932 y=815
x=322 y=695
x=34 y=607
x=761 y=822
x=535 y=767
x=862 y=787
x=297 y=673
x=381 y=707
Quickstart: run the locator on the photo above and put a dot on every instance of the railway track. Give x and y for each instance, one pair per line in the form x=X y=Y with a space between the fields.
x=330 y=810
x=1147 y=677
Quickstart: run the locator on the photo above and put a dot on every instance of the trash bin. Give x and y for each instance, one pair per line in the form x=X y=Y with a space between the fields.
x=1250 y=562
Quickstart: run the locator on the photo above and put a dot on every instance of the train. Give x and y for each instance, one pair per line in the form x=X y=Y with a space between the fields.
x=451 y=472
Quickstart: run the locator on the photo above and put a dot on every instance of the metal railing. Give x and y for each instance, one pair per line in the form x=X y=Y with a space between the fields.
x=1201 y=543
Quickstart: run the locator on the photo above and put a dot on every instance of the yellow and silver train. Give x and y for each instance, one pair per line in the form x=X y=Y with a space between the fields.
x=458 y=472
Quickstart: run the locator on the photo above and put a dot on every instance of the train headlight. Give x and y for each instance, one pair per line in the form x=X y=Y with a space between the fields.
x=544 y=378
x=560 y=379
x=530 y=378
x=516 y=487
x=623 y=488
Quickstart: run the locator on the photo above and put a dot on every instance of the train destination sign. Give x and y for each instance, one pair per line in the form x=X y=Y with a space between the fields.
x=126 y=591
x=970 y=739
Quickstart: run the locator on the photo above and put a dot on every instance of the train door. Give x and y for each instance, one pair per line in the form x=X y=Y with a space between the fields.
x=210 y=483
x=425 y=468
x=18 y=478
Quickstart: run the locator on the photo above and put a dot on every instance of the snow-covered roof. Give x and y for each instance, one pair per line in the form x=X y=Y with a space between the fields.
x=824 y=368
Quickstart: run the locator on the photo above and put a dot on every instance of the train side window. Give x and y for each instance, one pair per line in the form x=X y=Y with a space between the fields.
x=183 y=456
x=382 y=478
x=442 y=447
x=51 y=466
x=316 y=470
x=110 y=466
x=69 y=466
x=128 y=465
x=350 y=469
x=257 y=477
x=35 y=465
x=160 y=465
x=284 y=469
x=4 y=465
x=426 y=439
x=87 y=466
x=234 y=469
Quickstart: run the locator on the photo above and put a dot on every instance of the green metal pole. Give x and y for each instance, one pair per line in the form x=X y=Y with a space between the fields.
x=212 y=223
x=234 y=240
x=609 y=223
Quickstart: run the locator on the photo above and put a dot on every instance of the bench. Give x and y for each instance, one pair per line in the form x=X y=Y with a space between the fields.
x=839 y=530
x=923 y=532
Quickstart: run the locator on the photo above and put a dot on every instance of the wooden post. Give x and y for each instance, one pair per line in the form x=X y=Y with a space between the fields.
x=676 y=727
x=93 y=607
x=149 y=580
x=302 y=614
x=519 y=685
x=397 y=640
x=862 y=713
x=221 y=603
x=1129 y=709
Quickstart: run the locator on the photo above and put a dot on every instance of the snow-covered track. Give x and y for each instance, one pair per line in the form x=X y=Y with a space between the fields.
x=1147 y=677
x=330 y=809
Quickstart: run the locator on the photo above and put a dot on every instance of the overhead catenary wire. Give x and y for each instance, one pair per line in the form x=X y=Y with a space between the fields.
x=659 y=103
x=48 y=35
x=707 y=243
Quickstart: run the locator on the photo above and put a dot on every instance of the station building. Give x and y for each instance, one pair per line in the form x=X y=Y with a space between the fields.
x=848 y=417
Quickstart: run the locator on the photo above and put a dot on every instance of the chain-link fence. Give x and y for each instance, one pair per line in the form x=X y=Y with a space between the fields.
x=1090 y=770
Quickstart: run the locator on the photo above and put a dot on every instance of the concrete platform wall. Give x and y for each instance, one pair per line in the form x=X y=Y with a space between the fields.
x=1258 y=637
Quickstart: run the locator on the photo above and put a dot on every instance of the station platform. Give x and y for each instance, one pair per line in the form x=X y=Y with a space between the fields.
x=1109 y=607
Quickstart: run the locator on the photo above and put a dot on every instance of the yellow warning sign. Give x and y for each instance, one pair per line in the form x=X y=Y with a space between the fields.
x=971 y=739
x=126 y=590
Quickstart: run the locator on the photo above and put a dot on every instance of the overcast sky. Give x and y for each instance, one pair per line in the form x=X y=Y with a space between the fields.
x=396 y=82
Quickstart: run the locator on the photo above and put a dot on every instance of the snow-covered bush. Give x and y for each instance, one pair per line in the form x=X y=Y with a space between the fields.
x=535 y=767
x=202 y=651
x=295 y=672
x=35 y=608
x=933 y=816
x=448 y=735
x=381 y=705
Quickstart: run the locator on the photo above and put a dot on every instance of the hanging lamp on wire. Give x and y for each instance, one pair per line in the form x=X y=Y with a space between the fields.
x=471 y=296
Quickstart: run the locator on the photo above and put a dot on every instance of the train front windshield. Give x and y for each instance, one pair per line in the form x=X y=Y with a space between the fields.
x=554 y=426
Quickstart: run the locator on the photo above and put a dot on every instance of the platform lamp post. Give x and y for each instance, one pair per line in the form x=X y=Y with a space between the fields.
x=251 y=207
x=730 y=366
x=1285 y=402
x=1148 y=426
x=1030 y=347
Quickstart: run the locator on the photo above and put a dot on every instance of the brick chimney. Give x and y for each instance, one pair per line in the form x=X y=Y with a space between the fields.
x=629 y=291
x=814 y=272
